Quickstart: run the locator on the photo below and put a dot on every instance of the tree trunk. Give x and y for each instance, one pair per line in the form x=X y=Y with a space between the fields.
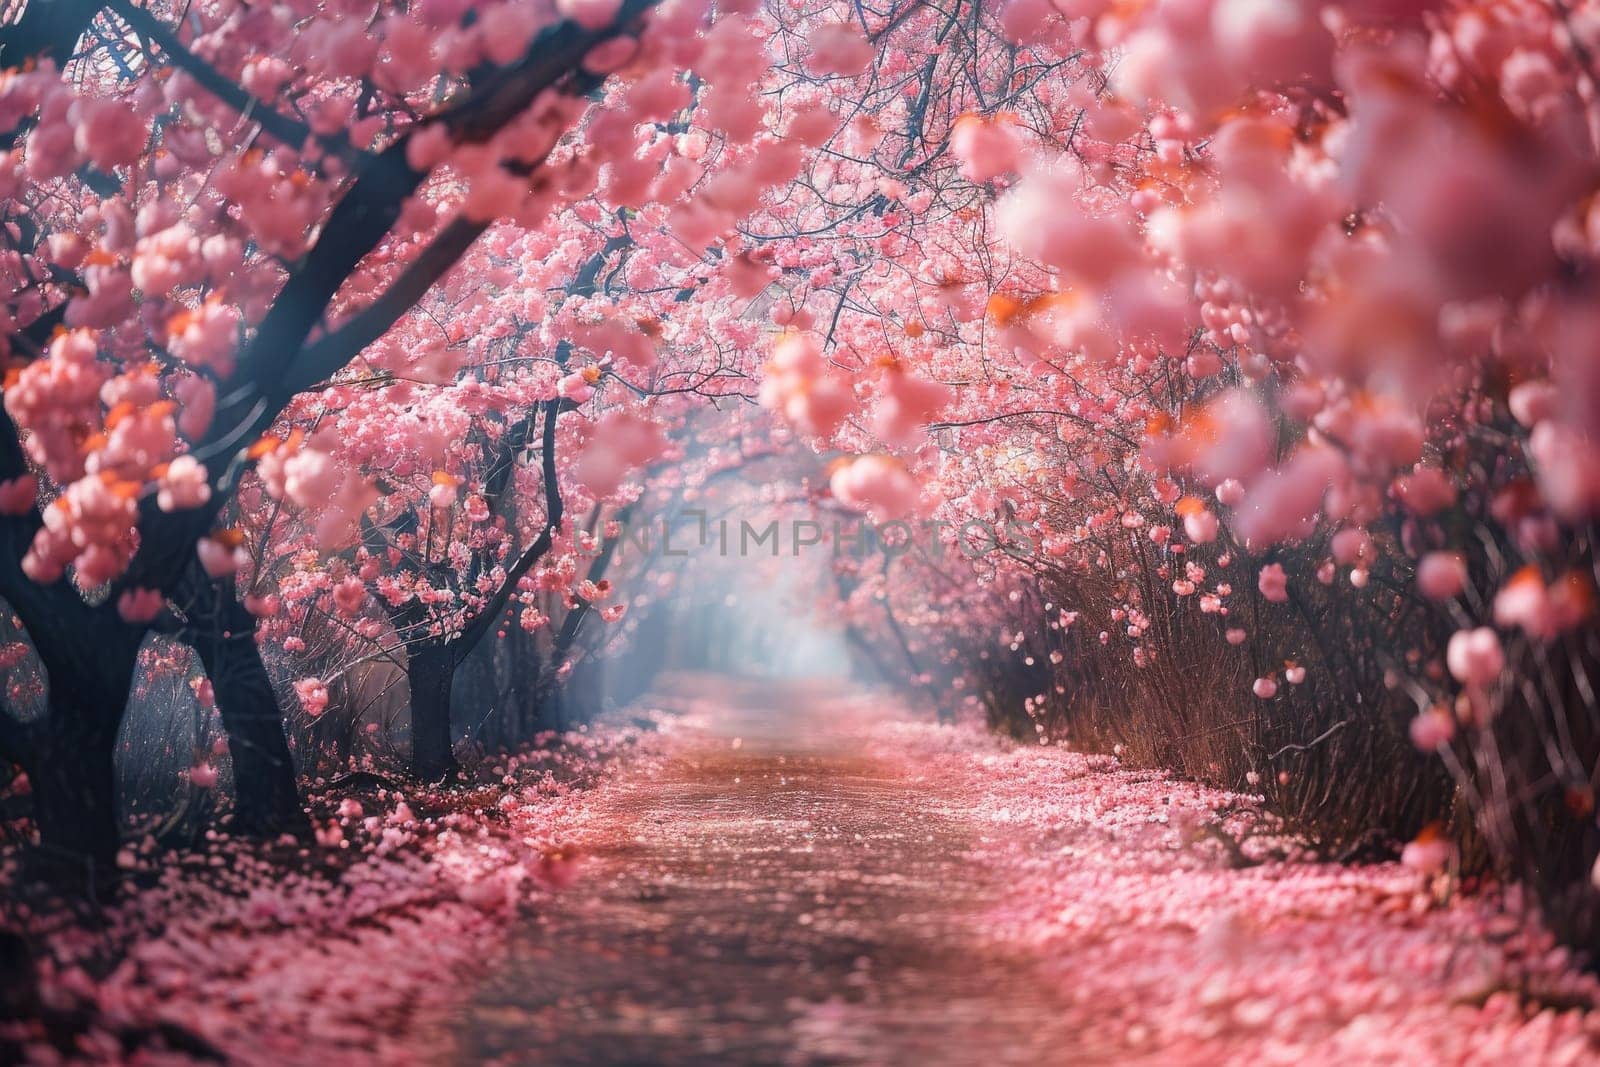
x=74 y=780
x=266 y=797
x=524 y=676
x=430 y=672
x=476 y=693
x=583 y=696
x=47 y=28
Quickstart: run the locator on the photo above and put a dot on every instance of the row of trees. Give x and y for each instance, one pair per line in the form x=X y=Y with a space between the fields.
x=283 y=356
x=364 y=335
x=341 y=342
x=1297 y=423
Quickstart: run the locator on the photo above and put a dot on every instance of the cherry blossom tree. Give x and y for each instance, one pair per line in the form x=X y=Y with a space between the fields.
x=1270 y=391
x=1276 y=435
x=157 y=346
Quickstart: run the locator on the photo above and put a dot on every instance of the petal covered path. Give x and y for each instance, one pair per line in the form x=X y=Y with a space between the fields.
x=777 y=891
x=804 y=877
x=795 y=874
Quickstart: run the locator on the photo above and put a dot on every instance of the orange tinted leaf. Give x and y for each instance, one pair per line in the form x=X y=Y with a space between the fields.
x=1002 y=308
x=118 y=413
x=265 y=445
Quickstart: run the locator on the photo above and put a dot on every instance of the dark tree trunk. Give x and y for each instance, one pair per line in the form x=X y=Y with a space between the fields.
x=74 y=780
x=583 y=696
x=267 y=799
x=430 y=673
x=524 y=677
x=47 y=28
x=476 y=693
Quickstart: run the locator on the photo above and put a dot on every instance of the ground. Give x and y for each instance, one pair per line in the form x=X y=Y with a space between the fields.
x=797 y=874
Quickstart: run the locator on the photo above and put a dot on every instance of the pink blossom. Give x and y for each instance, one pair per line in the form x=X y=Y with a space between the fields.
x=311 y=478
x=986 y=147
x=1351 y=545
x=445 y=491
x=1234 y=439
x=1273 y=583
x=17 y=495
x=1569 y=469
x=837 y=48
x=1429 y=853
x=218 y=558
x=1442 y=575
x=1475 y=657
x=1533 y=402
x=590 y=14
x=140 y=605
x=197 y=402
x=1543 y=610
x=108 y=132
x=89 y=527
x=505 y=31
x=620 y=443
x=312 y=694
x=262 y=605
x=1433 y=729
x=168 y=259
x=1026 y=21
x=1039 y=218
x=576 y=387
x=879 y=484
x=1425 y=491
x=1523 y=601
x=1200 y=526
x=184 y=485
x=905 y=404
x=800 y=384
x=1285 y=503
x=206 y=336
x=349 y=596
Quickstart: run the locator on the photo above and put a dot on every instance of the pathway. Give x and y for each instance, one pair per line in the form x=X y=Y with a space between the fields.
x=772 y=894
x=799 y=876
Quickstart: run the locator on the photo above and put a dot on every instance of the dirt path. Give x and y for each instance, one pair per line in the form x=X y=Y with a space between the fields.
x=799 y=877
x=791 y=875
x=770 y=895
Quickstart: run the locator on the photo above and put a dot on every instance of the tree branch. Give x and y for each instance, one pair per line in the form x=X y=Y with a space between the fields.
x=266 y=380
x=47 y=28
x=286 y=128
x=541 y=545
